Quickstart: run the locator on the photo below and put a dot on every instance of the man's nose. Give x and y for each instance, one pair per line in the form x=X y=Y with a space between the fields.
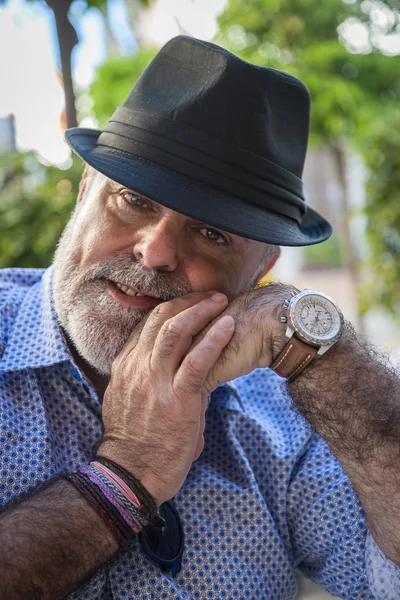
x=157 y=246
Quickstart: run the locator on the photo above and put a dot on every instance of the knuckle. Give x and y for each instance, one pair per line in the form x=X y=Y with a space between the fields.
x=173 y=329
x=189 y=388
x=193 y=376
x=162 y=312
x=171 y=333
x=196 y=365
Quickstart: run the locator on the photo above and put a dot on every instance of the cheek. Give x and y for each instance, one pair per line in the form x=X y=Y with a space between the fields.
x=97 y=238
x=208 y=274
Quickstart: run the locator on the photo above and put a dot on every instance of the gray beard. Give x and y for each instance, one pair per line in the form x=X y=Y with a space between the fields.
x=96 y=325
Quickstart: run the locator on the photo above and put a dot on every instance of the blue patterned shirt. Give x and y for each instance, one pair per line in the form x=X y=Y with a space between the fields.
x=265 y=498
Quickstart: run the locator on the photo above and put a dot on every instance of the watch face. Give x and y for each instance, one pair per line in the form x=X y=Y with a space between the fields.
x=315 y=318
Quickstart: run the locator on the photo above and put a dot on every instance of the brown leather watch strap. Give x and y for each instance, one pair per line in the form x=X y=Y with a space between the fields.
x=295 y=356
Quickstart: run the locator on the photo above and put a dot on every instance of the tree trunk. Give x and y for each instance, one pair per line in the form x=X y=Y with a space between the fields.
x=350 y=255
x=67 y=39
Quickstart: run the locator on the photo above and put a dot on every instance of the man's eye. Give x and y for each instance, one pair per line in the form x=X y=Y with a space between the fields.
x=213 y=235
x=135 y=200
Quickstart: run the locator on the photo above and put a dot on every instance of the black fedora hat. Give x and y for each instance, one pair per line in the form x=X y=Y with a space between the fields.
x=215 y=138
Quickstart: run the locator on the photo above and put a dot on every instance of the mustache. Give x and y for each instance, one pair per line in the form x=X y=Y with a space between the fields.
x=165 y=286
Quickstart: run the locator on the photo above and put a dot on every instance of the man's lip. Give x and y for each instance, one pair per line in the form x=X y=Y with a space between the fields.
x=135 y=289
x=133 y=302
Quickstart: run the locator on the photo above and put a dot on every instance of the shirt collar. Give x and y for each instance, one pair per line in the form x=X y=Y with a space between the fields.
x=36 y=339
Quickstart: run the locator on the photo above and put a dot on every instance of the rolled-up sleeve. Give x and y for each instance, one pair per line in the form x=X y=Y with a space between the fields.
x=330 y=539
x=383 y=574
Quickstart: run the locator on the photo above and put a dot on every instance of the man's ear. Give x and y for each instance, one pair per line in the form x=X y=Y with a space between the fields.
x=82 y=183
x=269 y=264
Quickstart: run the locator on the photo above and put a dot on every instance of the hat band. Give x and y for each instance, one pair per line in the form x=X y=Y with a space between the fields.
x=210 y=145
x=234 y=179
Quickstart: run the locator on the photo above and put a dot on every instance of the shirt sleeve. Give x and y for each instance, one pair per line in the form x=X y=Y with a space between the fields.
x=331 y=543
x=383 y=574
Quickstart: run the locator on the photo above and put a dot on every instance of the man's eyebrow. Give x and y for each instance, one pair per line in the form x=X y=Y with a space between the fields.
x=238 y=238
x=116 y=185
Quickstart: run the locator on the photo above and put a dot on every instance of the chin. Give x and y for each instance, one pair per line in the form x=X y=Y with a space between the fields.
x=97 y=328
x=98 y=341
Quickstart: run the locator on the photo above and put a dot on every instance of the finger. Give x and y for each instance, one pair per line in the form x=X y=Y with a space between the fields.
x=148 y=329
x=175 y=336
x=194 y=369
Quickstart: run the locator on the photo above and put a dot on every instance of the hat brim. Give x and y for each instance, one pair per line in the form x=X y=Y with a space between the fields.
x=195 y=199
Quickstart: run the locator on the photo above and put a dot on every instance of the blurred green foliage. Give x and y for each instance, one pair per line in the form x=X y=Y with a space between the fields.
x=35 y=204
x=382 y=156
x=328 y=254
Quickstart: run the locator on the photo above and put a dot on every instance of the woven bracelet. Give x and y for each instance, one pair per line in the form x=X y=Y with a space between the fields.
x=148 y=508
x=107 y=489
x=121 y=492
x=115 y=515
x=120 y=483
x=124 y=533
x=119 y=528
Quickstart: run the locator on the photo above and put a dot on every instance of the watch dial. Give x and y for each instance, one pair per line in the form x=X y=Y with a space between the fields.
x=317 y=317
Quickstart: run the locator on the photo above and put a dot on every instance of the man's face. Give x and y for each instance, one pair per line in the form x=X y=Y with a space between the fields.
x=118 y=243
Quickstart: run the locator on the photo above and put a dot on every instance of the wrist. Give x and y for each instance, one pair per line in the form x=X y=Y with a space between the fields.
x=268 y=300
x=111 y=451
x=313 y=324
x=338 y=356
x=279 y=340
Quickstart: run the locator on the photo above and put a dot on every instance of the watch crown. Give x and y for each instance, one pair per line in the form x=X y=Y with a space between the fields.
x=283 y=319
x=285 y=304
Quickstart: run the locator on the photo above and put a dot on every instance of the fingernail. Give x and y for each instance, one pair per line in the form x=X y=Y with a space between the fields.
x=218 y=297
x=227 y=322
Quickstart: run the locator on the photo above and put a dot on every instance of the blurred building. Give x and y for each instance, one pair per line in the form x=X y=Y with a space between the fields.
x=7 y=134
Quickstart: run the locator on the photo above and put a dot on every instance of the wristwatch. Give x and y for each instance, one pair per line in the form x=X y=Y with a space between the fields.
x=314 y=324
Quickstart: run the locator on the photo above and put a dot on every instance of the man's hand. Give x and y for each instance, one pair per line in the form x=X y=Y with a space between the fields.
x=154 y=405
x=259 y=335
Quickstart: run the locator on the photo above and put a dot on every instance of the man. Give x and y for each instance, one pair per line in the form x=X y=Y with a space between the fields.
x=125 y=351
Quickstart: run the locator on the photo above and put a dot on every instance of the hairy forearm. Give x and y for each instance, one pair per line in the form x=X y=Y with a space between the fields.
x=50 y=543
x=351 y=396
